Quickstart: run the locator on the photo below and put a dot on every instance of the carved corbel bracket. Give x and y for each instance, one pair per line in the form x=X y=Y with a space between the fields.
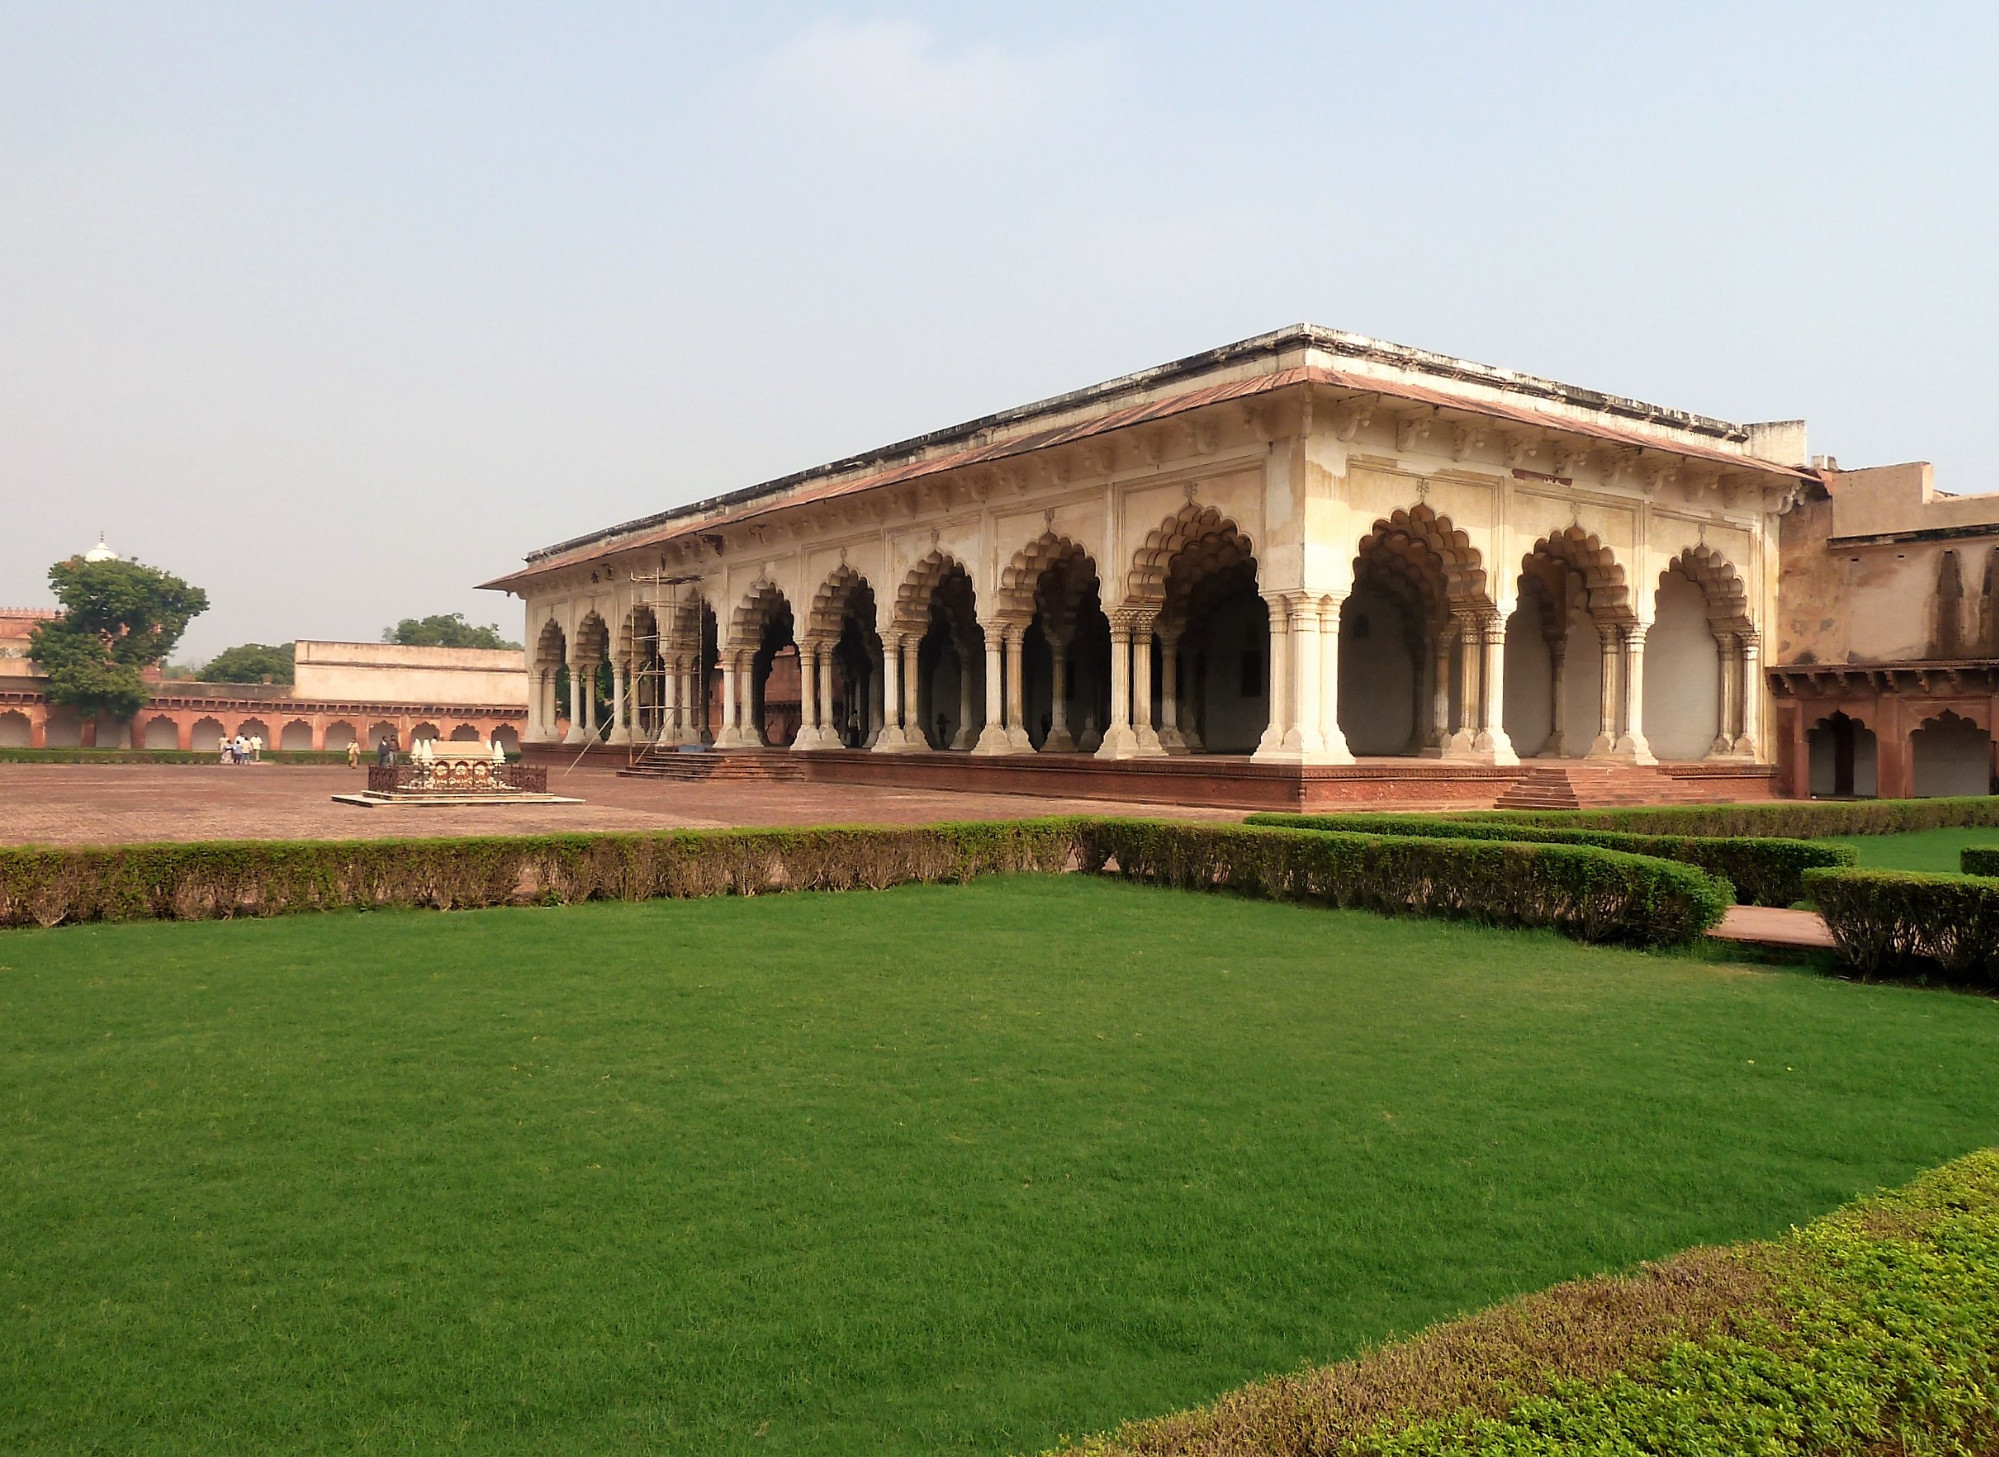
x=1411 y=428
x=1566 y=456
x=1350 y=417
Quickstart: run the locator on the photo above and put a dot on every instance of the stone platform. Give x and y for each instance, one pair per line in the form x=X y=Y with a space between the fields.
x=1212 y=780
x=408 y=799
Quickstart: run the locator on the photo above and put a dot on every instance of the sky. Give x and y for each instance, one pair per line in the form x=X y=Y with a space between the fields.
x=339 y=310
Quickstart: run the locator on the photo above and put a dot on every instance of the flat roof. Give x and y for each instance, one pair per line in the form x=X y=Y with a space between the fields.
x=975 y=436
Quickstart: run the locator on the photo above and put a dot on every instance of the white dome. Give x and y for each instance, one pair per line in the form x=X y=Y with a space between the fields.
x=100 y=552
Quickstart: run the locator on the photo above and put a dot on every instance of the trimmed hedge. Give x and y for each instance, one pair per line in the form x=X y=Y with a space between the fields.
x=207 y=881
x=1582 y=891
x=1979 y=860
x=166 y=756
x=1901 y=922
x=1873 y=1330
x=1764 y=872
x=1589 y=893
x=1793 y=819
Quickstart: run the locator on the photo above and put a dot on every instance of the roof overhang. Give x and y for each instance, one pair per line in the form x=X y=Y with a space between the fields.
x=1611 y=419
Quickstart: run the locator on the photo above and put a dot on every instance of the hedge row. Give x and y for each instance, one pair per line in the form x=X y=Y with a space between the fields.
x=1764 y=872
x=1582 y=891
x=163 y=756
x=1795 y=819
x=206 y=881
x=1589 y=893
x=1979 y=860
x=1903 y=922
x=1874 y=1330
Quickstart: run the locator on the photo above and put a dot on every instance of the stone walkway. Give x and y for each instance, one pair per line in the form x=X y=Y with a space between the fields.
x=108 y=804
x=1771 y=926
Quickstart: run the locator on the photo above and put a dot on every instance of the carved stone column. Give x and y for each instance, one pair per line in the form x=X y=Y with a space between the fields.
x=1016 y=689
x=1271 y=746
x=751 y=727
x=577 y=732
x=1631 y=743
x=830 y=736
x=1604 y=745
x=669 y=706
x=1494 y=744
x=1558 y=698
x=1119 y=740
x=808 y=699
x=1335 y=737
x=1438 y=729
x=730 y=735
x=992 y=737
x=700 y=727
x=877 y=714
x=1749 y=698
x=621 y=729
x=893 y=738
x=1059 y=739
x=1304 y=739
x=1727 y=677
x=1462 y=741
x=1171 y=739
x=1142 y=728
x=970 y=722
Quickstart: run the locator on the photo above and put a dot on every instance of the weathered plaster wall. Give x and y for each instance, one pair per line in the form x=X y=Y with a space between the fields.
x=1875 y=600
x=392 y=673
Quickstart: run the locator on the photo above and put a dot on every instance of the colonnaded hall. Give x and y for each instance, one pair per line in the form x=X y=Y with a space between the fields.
x=1306 y=568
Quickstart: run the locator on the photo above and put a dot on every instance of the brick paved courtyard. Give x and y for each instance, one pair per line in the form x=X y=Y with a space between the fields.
x=101 y=804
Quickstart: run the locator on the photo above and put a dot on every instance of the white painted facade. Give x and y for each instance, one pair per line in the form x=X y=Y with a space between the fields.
x=1306 y=547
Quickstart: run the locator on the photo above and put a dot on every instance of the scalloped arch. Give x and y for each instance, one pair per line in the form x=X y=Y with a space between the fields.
x=1607 y=596
x=1021 y=580
x=761 y=603
x=551 y=645
x=641 y=624
x=1727 y=597
x=832 y=601
x=912 y=598
x=1429 y=552
x=592 y=638
x=1192 y=526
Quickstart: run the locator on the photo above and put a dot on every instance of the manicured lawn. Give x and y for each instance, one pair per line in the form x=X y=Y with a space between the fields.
x=928 y=1170
x=1919 y=850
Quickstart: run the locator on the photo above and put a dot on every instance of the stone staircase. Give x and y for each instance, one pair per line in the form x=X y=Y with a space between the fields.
x=1580 y=784
x=728 y=766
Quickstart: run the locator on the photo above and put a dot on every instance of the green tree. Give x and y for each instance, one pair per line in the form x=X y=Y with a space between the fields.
x=448 y=630
x=250 y=662
x=118 y=618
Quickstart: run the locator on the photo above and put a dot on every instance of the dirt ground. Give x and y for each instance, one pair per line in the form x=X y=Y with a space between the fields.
x=108 y=804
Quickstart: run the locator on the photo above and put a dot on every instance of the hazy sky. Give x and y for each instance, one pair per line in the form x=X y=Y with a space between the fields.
x=338 y=310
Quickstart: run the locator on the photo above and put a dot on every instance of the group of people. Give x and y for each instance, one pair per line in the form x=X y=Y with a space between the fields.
x=243 y=750
x=385 y=751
